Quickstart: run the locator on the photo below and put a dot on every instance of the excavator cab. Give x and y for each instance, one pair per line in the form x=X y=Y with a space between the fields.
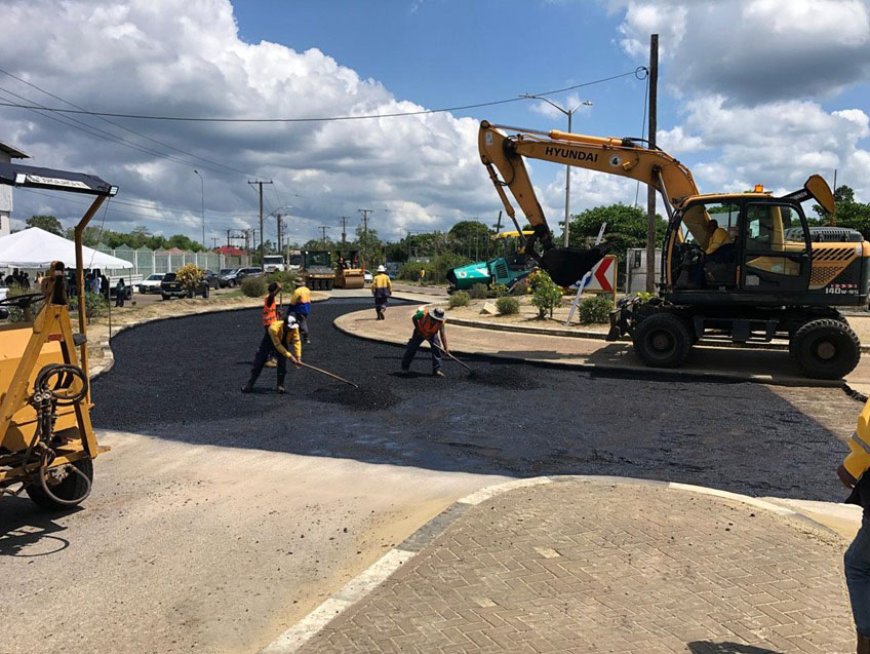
x=47 y=443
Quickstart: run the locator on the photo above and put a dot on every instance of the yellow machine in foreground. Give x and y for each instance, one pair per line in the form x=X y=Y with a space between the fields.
x=47 y=443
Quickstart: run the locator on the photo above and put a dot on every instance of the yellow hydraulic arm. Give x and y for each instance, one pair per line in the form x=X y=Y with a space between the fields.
x=503 y=157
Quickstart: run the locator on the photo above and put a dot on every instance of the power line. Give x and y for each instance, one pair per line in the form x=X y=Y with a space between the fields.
x=640 y=72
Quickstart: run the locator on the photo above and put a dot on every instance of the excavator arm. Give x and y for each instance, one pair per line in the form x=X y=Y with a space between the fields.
x=503 y=157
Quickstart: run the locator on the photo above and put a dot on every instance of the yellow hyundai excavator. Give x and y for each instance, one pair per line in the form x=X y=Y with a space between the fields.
x=741 y=266
x=47 y=443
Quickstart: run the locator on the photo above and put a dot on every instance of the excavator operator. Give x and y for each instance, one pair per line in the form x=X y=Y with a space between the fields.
x=716 y=237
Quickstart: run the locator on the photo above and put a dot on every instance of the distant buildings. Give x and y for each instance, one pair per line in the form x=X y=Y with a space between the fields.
x=7 y=154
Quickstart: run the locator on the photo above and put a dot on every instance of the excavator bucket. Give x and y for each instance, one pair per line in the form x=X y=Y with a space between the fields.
x=567 y=266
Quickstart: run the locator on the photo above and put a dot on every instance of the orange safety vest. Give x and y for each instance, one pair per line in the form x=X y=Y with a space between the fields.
x=270 y=311
x=427 y=326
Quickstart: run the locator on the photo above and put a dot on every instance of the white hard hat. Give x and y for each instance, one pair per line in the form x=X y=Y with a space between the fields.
x=381 y=268
x=290 y=323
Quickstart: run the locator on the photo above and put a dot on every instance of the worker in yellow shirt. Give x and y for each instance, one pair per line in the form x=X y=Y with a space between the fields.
x=856 y=562
x=716 y=237
x=300 y=307
x=282 y=339
x=382 y=289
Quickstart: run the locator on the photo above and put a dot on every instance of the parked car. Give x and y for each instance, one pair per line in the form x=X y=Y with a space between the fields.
x=231 y=278
x=170 y=287
x=249 y=272
x=212 y=279
x=151 y=284
x=367 y=277
x=222 y=276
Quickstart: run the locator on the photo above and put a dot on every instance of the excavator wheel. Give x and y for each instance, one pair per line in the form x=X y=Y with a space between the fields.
x=662 y=340
x=71 y=490
x=826 y=348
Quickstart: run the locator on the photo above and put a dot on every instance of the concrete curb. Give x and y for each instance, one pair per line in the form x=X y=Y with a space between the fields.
x=367 y=581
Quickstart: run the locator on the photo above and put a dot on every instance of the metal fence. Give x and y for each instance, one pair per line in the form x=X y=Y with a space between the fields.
x=146 y=262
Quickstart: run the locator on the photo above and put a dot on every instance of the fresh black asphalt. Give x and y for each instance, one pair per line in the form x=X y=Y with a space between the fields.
x=180 y=379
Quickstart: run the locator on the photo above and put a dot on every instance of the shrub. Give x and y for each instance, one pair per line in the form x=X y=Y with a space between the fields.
x=546 y=295
x=95 y=305
x=595 y=309
x=286 y=278
x=190 y=277
x=478 y=291
x=459 y=299
x=499 y=290
x=254 y=286
x=520 y=288
x=410 y=271
x=507 y=305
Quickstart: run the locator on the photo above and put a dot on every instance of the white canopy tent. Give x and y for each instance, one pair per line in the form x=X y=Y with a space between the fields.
x=37 y=248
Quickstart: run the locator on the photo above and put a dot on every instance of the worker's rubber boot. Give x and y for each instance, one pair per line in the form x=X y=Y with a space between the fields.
x=281 y=390
x=247 y=388
x=863 y=644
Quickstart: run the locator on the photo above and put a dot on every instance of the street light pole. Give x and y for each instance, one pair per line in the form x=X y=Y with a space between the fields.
x=202 y=204
x=569 y=113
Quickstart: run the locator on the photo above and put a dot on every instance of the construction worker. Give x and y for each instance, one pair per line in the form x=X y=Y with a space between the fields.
x=270 y=315
x=281 y=337
x=300 y=307
x=853 y=474
x=382 y=289
x=428 y=326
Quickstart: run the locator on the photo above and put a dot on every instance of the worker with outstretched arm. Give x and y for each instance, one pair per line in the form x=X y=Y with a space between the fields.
x=300 y=307
x=853 y=473
x=382 y=289
x=428 y=326
x=282 y=339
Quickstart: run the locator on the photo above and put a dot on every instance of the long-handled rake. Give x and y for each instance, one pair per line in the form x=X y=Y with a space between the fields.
x=327 y=373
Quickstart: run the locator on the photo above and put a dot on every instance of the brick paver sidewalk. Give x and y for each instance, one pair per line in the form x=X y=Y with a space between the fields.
x=601 y=566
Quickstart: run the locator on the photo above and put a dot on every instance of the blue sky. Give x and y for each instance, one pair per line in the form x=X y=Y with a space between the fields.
x=771 y=99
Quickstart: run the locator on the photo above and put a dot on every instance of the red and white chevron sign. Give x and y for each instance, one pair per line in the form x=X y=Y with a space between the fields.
x=603 y=277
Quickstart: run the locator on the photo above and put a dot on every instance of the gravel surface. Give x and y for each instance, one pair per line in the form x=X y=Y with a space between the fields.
x=179 y=379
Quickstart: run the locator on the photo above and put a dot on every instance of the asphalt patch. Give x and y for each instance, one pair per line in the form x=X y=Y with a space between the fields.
x=356 y=399
x=503 y=377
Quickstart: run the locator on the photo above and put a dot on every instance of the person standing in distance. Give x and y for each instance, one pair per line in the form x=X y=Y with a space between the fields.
x=428 y=326
x=382 y=289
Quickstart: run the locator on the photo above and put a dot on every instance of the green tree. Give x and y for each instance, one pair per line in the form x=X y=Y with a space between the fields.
x=849 y=212
x=470 y=238
x=626 y=228
x=48 y=223
x=369 y=246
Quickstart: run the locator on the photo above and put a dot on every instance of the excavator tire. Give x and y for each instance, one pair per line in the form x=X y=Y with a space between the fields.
x=826 y=348
x=662 y=340
x=72 y=488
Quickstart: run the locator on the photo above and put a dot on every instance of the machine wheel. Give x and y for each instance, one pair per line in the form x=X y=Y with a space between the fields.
x=205 y=291
x=826 y=348
x=72 y=489
x=662 y=340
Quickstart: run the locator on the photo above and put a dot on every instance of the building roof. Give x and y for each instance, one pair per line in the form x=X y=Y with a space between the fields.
x=12 y=152
x=229 y=250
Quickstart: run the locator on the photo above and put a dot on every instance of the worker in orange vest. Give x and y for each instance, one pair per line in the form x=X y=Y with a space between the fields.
x=428 y=326
x=270 y=315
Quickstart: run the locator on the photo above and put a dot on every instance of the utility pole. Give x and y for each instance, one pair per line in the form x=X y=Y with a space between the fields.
x=323 y=229
x=260 y=184
x=280 y=242
x=344 y=230
x=365 y=218
x=651 y=192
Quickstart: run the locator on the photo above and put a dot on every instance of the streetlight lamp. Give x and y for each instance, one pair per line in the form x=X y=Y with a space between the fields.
x=569 y=113
x=202 y=205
